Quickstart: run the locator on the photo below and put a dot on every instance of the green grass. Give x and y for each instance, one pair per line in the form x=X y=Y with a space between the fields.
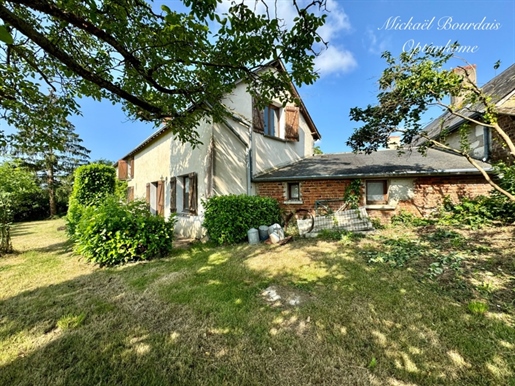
x=202 y=315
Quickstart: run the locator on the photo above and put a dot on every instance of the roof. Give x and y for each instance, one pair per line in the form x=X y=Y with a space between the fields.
x=383 y=163
x=498 y=88
x=277 y=64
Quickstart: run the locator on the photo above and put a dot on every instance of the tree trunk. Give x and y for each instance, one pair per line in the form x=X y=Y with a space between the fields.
x=51 y=190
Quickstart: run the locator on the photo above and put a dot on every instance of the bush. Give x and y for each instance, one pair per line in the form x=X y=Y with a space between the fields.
x=228 y=218
x=115 y=232
x=92 y=184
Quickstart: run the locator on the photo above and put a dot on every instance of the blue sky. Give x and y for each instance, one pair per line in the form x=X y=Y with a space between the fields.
x=357 y=31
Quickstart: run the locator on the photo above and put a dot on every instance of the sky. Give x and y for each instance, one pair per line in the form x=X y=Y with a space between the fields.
x=358 y=32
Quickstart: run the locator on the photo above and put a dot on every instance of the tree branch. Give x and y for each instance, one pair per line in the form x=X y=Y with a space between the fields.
x=38 y=38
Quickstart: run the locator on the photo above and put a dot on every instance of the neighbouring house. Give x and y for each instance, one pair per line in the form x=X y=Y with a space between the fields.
x=390 y=183
x=175 y=177
x=484 y=144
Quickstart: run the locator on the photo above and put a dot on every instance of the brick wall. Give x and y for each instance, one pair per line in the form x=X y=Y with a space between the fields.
x=429 y=193
x=310 y=192
x=499 y=152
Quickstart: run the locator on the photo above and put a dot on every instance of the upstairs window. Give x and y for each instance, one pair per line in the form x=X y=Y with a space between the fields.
x=277 y=122
x=271 y=121
x=377 y=192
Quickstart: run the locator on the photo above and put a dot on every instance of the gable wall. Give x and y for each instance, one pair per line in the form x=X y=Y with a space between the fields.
x=268 y=152
x=475 y=138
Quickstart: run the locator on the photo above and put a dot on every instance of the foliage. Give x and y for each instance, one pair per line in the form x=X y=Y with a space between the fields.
x=343 y=236
x=409 y=219
x=397 y=252
x=317 y=150
x=93 y=183
x=448 y=261
x=22 y=193
x=228 y=218
x=53 y=152
x=5 y=224
x=352 y=194
x=408 y=87
x=125 y=50
x=114 y=232
x=477 y=307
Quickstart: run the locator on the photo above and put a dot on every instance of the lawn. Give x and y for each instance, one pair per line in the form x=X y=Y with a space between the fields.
x=405 y=306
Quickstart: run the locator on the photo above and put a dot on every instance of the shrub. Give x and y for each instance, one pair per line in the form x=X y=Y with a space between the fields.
x=92 y=184
x=115 y=232
x=228 y=218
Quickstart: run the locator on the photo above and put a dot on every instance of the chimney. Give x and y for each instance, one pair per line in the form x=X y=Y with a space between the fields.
x=469 y=75
x=394 y=142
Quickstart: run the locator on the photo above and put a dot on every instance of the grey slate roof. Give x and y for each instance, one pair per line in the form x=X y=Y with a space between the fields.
x=383 y=163
x=498 y=88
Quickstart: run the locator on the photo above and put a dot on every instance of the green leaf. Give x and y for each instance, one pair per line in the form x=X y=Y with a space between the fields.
x=5 y=35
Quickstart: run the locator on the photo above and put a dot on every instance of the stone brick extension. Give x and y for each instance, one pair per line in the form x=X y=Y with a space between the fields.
x=429 y=193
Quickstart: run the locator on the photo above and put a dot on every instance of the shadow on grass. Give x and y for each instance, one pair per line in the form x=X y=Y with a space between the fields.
x=199 y=317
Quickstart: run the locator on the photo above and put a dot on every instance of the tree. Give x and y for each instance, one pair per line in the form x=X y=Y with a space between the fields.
x=317 y=150
x=409 y=86
x=53 y=151
x=16 y=183
x=166 y=66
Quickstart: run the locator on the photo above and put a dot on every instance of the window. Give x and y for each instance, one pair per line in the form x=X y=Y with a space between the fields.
x=274 y=121
x=377 y=192
x=271 y=121
x=293 y=191
x=183 y=194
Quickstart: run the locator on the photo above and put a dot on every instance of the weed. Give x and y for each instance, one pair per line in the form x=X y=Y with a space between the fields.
x=70 y=322
x=451 y=261
x=477 y=307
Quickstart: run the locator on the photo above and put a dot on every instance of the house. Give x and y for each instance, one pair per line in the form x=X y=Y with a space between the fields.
x=175 y=177
x=484 y=144
x=390 y=183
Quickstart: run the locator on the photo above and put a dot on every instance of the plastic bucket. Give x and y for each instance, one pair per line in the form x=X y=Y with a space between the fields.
x=253 y=236
x=263 y=232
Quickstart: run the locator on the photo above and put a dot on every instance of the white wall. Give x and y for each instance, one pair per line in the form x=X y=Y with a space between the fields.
x=185 y=159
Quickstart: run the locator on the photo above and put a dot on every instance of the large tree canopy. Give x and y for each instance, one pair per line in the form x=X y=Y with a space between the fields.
x=163 y=66
x=408 y=87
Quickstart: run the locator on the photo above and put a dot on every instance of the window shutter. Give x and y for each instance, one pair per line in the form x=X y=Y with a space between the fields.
x=132 y=168
x=160 y=198
x=292 y=124
x=147 y=194
x=122 y=170
x=130 y=193
x=257 y=119
x=193 y=193
x=173 y=195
